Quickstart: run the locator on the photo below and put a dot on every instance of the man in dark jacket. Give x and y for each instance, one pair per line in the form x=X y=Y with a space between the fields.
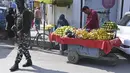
x=24 y=21
x=10 y=22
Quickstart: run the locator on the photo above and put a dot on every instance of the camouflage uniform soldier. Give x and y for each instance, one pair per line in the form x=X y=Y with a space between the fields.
x=24 y=25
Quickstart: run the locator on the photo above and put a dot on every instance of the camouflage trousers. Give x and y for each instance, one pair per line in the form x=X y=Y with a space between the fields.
x=22 y=50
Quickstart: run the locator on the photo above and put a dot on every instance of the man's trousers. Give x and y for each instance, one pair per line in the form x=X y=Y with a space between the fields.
x=22 y=50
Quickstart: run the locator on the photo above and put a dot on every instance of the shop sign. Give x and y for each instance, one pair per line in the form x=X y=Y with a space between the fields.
x=108 y=3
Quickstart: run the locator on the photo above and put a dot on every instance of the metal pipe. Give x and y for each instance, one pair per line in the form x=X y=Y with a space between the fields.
x=108 y=14
x=44 y=8
x=81 y=15
x=122 y=5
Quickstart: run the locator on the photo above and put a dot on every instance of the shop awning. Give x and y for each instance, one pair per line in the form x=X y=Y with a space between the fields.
x=61 y=3
x=47 y=1
x=37 y=0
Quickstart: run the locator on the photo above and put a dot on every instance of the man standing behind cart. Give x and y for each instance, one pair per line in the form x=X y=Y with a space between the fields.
x=92 y=18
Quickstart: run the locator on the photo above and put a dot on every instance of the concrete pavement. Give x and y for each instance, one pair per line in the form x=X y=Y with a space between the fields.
x=52 y=62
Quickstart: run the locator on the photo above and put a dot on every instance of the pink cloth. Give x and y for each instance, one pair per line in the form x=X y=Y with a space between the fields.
x=92 y=20
x=32 y=23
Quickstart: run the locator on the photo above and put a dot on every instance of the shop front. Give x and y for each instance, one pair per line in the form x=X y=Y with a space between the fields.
x=98 y=6
x=77 y=18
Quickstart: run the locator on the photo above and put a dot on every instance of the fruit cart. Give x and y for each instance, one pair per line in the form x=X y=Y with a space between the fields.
x=79 y=48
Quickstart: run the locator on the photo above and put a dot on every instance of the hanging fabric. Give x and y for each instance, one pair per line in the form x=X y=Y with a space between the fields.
x=63 y=3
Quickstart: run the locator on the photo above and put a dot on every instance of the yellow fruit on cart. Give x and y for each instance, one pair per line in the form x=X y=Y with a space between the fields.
x=49 y=26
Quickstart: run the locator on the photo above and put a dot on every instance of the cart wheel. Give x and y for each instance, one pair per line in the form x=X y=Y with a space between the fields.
x=73 y=57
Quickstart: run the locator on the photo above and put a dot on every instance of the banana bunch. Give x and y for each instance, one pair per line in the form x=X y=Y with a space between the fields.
x=78 y=33
x=93 y=34
x=85 y=34
x=111 y=35
x=81 y=33
x=102 y=34
x=99 y=34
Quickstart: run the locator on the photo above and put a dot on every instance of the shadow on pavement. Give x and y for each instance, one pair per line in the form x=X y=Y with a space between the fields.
x=122 y=66
x=3 y=34
x=41 y=70
x=55 y=52
x=5 y=48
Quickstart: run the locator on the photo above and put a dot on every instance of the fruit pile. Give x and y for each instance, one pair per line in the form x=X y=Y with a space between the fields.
x=110 y=26
x=81 y=33
x=71 y=32
x=103 y=35
x=49 y=26
x=93 y=34
x=63 y=31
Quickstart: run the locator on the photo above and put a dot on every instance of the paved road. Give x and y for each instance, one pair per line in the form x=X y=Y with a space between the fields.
x=51 y=62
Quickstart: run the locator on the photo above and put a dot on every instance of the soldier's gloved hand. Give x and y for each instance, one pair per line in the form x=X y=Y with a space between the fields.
x=14 y=28
x=19 y=33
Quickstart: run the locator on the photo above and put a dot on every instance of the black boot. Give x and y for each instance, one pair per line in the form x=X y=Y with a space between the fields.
x=14 y=67
x=28 y=63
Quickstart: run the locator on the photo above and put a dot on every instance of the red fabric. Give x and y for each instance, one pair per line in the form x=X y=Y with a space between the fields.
x=105 y=45
x=32 y=23
x=92 y=20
